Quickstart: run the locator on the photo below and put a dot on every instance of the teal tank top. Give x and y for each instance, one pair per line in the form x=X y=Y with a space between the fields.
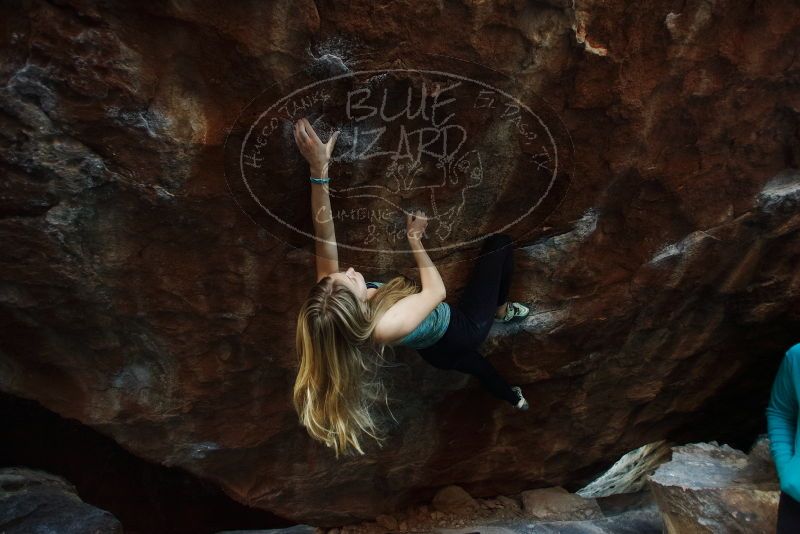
x=430 y=330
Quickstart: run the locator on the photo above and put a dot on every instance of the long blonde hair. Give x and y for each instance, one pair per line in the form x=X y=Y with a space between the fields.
x=337 y=381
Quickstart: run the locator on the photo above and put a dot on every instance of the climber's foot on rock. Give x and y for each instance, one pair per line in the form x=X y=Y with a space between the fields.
x=514 y=311
x=522 y=404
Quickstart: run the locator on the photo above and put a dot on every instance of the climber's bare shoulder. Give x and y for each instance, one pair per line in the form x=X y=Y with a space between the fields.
x=406 y=314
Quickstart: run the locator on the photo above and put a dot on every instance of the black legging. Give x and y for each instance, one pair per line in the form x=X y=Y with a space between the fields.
x=472 y=318
x=788 y=515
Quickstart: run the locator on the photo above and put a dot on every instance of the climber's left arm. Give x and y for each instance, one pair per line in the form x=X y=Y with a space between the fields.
x=318 y=155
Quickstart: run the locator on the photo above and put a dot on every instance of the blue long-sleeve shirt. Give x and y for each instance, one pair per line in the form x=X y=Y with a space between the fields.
x=782 y=422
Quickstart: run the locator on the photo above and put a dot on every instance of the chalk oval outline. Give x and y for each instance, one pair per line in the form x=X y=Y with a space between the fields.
x=524 y=106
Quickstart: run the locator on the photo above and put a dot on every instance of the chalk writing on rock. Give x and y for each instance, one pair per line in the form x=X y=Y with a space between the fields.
x=473 y=156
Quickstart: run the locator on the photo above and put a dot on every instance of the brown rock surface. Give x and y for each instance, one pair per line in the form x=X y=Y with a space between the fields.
x=137 y=297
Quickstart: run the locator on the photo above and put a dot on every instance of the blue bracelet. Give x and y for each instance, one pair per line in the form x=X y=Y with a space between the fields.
x=320 y=180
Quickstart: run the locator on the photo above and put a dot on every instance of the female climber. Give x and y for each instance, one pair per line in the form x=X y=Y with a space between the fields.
x=343 y=314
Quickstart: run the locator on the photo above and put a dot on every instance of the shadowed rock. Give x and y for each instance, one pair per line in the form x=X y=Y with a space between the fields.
x=35 y=501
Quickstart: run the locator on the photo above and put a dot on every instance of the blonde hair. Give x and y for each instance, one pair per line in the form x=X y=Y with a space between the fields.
x=337 y=381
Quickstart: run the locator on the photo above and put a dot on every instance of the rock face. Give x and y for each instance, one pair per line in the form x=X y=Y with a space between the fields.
x=137 y=297
x=712 y=489
x=35 y=501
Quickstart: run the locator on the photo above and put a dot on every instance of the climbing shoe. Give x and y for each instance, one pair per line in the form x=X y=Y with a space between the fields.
x=514 y=311
x=521 y=404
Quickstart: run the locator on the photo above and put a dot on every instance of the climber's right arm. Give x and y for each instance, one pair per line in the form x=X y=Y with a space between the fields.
x=428 y=273
x=405 y=315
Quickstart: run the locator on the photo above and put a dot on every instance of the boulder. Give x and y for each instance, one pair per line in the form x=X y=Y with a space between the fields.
x=629 y=473
x=36 y=501
x=142 y=295
x=709 y=488
x=557 y=504
x=508 y=502
x=453 y=500
x=386 y=521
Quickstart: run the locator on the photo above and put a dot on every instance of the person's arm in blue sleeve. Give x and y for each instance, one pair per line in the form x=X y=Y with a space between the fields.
x=782 y=424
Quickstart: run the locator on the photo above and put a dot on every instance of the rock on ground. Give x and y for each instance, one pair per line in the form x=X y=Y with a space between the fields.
x=36 y=501
x=297 y=529
x=544 y=510
x=713 y=489
x=453 y=499
x=557 y=504
x=644 y=521
x=629 y=473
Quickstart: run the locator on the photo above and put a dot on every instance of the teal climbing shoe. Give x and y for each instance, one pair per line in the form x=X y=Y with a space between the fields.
x=514 y=311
